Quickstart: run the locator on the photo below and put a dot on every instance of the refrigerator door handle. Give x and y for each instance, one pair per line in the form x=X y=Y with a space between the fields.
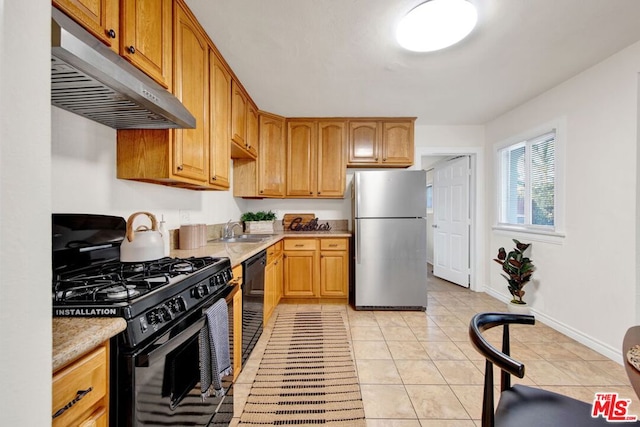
x=357 y=248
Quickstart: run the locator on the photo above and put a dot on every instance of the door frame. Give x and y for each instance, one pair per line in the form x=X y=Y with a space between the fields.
x=478 y=260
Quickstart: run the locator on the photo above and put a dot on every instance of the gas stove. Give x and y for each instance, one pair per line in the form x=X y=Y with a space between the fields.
x=90 y=281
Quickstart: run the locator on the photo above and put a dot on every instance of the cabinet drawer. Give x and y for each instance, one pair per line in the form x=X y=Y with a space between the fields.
x=79 y=386
x=333 y=244
x=274 y=251
x=300 y=245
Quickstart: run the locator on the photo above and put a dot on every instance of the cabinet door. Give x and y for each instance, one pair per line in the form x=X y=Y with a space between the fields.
x=332 y=171
x=334 y=273
x=237 y=332
x=269 y=290
x=238 y=115
x=99 y=17
x=364 y=142
x=252 y=129
x=147 y=37
x=220 y=110
x=271 y=162
x=278 y=278
x=300 y=273
x=191 y=146
x=90 y=374
x=301 y=158
x=397 y=143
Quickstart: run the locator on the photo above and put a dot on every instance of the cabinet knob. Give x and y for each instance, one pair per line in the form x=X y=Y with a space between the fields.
x=213 y=178
x=311 y=192
x=376 y=159
x=111 y=33
x=261 y=191
x=384 y=159
x=180 y=167
x=319 y=193
x=131 y=50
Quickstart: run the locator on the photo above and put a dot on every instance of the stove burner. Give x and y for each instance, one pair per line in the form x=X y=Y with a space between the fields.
x=119 y=292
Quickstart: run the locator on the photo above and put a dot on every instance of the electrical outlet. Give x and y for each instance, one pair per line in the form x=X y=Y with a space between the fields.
x=185 y=218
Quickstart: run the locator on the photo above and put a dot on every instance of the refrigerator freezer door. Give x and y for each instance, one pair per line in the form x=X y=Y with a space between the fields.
x=391 y=263
x=390 y=194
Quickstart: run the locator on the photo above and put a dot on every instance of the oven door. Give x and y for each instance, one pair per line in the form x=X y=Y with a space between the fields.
x=166 y=377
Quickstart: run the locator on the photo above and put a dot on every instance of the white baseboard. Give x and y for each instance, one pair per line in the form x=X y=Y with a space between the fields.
x=594 y=344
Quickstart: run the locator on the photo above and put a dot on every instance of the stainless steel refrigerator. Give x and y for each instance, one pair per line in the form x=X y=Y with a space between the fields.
x=390 y=227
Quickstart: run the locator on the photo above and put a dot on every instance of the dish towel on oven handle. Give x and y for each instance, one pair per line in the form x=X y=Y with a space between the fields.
x=215 y=362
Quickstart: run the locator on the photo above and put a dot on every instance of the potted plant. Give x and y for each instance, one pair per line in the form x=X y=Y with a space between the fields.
x=260 y=222
x=518 y=269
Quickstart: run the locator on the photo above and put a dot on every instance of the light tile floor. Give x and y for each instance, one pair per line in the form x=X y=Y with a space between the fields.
x=419 y=369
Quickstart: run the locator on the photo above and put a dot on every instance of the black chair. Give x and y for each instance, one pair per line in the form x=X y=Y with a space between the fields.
x=519 y=405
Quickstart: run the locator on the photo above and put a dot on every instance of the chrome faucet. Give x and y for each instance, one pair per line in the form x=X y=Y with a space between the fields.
x=228 y=229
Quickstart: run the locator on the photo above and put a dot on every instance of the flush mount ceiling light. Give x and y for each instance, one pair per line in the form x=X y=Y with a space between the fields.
x=436 y=24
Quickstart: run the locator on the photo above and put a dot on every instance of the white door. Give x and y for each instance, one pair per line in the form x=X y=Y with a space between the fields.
x=451 y=221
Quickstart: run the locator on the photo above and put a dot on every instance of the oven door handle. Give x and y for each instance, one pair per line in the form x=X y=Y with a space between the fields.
x=148 y=358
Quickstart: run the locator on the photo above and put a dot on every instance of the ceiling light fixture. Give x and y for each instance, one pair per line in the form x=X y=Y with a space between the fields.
x=436 y=24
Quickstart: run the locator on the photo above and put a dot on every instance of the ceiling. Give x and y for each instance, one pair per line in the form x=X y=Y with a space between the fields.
x=322 y=58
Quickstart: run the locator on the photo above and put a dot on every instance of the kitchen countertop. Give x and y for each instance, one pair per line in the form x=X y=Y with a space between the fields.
x=238 y=252
x=75 y=336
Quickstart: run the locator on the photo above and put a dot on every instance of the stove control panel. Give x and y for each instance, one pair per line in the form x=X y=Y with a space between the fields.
x=164 y=314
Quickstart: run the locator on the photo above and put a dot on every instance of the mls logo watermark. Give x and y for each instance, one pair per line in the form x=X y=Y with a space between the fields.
x=612 y=408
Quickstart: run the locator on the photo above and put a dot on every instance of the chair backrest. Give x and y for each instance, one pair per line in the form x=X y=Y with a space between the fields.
x=629 y=350
x=501 y=358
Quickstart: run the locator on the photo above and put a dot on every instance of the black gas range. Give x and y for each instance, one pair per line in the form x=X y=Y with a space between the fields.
x=163 y=302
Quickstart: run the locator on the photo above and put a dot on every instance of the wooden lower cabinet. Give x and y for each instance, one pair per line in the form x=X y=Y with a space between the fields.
x=316 y=268
x=334 y=268
x=273 y=275
x=237 y=322
x=81 y=391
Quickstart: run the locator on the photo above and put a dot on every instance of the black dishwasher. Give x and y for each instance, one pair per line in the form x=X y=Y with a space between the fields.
x=252 y=301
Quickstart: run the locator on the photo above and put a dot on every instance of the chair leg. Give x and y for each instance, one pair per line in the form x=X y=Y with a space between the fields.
x=505 y=377
x=487 y=399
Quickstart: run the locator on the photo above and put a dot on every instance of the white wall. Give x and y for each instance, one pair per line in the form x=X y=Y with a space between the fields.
x=586 y=284
x=25 y=213
x=84 y=180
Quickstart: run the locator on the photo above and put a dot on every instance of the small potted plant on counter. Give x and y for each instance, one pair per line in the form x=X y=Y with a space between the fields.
x=260 y=222
x=518 y=269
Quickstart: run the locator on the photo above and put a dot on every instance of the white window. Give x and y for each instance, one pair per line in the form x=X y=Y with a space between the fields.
x=527 y=183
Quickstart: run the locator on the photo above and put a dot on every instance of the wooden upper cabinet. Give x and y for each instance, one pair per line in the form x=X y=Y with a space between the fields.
x=146 y=37
x=138 y=30
x=315 y=158
x=381 y=143
x=301 y=158
x=241 y=147
x=332 y=170
x=364 y=142
x=397 y=143
x=253 y=125
x=272 y=159
x=220 y=121
x=99 y=17
x=191 y=147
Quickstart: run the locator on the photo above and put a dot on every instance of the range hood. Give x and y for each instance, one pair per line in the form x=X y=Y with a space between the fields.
x=89 y=79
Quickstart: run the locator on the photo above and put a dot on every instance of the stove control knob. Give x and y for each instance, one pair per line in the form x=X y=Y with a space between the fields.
x=165 y=313
x=200 y=291
x=178 y=305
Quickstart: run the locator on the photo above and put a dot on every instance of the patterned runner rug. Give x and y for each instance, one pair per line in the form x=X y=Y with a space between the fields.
x=307 y=376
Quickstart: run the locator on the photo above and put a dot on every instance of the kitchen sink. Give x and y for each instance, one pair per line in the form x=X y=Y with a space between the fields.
x=246 y=238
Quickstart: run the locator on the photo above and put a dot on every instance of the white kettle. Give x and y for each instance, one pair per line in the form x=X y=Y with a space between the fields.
x=143 y=244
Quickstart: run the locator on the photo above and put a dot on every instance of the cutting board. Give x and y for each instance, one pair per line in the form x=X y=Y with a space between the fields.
x=288 y=218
